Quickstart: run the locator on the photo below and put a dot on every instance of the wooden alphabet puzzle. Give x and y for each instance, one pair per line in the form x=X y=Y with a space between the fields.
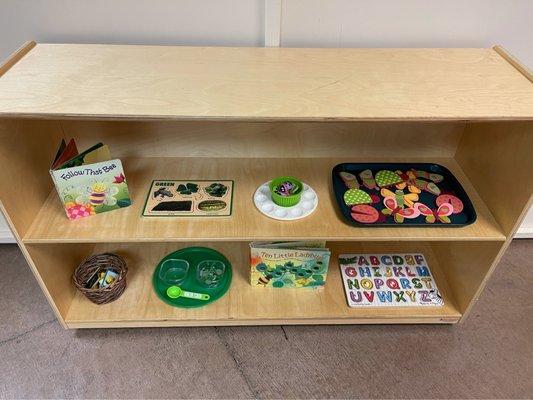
x=388 y=280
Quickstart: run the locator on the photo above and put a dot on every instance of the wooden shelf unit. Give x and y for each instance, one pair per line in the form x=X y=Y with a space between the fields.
x=249 y=114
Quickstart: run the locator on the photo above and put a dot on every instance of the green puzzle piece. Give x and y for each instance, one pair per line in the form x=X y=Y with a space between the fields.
x=386 y=178
x=356 y=196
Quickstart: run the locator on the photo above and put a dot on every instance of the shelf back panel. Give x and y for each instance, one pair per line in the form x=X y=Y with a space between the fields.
x=268 y=139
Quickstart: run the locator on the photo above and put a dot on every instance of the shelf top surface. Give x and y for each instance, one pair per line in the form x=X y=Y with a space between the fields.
x=118 y=81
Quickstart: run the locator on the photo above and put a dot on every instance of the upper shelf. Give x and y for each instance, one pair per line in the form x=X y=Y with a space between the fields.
x=246 y=223
x=111 y=81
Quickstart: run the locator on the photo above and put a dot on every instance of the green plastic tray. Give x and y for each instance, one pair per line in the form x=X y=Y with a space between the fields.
x=194 y=255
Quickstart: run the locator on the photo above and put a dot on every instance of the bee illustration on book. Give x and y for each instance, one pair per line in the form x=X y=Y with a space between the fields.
x=308 y=274
x=264 y=280
x=98 y=193
x=269 y=274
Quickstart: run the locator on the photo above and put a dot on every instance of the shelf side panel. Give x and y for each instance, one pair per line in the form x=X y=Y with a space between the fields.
x=467 y=266
x=497 y=158
x=26 y=151
x=53 y=265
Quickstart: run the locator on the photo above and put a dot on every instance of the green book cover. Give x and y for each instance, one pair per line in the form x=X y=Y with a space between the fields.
x=92 y=188
x=289 y=264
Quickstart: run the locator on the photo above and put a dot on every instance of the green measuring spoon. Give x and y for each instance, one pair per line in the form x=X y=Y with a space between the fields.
x=175 y=291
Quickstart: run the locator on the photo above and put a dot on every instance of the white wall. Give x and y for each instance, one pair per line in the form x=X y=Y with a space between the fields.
x=310 y=23
x=410 y=23
x=185 y=22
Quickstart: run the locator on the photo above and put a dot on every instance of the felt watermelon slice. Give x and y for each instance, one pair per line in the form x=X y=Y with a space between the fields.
x=386 y=178
x=356 y=196
x=364 y=214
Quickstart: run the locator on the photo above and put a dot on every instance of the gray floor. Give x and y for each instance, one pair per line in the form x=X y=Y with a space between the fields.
x=489 y=356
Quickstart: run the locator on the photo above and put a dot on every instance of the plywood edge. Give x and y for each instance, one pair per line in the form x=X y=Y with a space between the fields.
x=514 y=62
x=498 y=258
x=33 y=267
x=249 y=118
x=258 y=322
x=16 y=56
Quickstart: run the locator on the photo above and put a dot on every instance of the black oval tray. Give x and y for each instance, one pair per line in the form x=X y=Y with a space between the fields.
x=449 y=185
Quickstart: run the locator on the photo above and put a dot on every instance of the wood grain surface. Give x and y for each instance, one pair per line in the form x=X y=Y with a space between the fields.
x=112 y=81
x=245 y=304
x=246 y=223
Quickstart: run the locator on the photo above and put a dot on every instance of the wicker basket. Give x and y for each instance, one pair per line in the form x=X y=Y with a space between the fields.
x=92 y=265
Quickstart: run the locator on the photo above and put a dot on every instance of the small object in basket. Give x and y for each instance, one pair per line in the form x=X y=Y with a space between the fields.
x=209 y=272
x=101 y=277
x=92 y=283
x=109 y=276
x=175 y=291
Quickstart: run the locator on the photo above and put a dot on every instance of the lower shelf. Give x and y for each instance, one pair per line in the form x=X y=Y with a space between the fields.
x=247 y=305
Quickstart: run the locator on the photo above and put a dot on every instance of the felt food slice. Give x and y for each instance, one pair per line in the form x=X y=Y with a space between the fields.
x=368 y=179
x=386 y=178
x=365 y=214
x=356 y=196
x=428 y=175
x=427 y=186
x=456 y=202
x=349 y=180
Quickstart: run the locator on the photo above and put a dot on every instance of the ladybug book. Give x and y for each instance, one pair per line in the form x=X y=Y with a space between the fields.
x=89 y=183
x=289 y=264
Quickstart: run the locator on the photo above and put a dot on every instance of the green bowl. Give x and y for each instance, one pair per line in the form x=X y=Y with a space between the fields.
x=286 y=201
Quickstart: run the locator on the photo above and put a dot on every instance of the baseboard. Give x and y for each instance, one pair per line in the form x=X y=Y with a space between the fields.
x=6 y=236
x=524 y=232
